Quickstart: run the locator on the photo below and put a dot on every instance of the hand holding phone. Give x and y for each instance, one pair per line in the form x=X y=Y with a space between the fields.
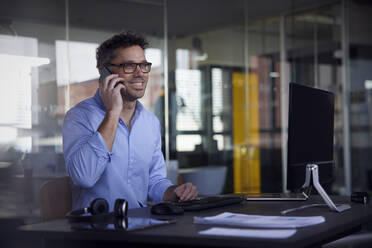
x=111 y=96
x=105 y=73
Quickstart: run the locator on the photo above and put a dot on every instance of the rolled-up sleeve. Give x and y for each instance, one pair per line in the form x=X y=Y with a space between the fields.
x=85 y=151
x=158 y=183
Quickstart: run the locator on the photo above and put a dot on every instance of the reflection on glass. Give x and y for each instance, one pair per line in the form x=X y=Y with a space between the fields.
x=188 y=84
x=154 y=95
x=121 y=224
x=188 y=142
x=76 y=62
x=217 y=99
x=15 y=90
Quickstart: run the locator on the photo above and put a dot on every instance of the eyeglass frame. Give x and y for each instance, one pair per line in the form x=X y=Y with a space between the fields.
x=137 y=64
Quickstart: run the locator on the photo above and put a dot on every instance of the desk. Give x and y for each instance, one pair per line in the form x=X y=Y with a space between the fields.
x=184 y=233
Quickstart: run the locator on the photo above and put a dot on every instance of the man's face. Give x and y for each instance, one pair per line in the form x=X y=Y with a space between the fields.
x=135 y=82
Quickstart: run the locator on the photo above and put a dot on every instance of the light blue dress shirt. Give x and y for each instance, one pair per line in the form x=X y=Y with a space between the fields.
x=133 y=170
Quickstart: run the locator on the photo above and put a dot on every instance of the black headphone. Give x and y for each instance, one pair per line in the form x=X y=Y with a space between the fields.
x=99 y=209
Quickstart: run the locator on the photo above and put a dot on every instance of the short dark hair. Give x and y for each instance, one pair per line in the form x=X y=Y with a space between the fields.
x=106 y=51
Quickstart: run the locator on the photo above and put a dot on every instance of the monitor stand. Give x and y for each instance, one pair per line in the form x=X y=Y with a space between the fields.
x=312 y=171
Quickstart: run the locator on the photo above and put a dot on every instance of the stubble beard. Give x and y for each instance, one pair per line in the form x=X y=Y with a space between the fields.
x=126 y=96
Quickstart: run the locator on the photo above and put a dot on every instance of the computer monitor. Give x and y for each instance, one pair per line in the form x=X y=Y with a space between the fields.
x=310 y=134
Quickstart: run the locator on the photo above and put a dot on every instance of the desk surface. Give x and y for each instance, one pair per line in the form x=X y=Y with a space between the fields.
x=185 y=233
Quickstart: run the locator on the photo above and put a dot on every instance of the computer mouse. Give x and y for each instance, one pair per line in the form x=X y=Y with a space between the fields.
x=166 y=208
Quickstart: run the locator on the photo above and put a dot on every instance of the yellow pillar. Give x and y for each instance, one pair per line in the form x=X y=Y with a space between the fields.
x=246 y=133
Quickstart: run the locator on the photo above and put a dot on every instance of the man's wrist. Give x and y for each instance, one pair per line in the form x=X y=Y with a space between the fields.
x=112 y=114
x=169 y=194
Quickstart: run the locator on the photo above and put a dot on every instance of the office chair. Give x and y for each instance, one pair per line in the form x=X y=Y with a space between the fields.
x=55 y=198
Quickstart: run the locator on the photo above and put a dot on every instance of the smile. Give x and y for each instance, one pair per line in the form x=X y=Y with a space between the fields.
x=136 y=85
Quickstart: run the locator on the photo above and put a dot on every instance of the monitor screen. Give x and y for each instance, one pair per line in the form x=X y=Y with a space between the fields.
x=310 y=134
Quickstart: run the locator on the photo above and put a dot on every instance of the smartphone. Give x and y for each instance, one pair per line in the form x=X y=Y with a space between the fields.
x=104 y=73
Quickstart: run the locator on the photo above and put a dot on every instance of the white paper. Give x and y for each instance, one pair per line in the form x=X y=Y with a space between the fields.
x=262 y=221
x=250 y=233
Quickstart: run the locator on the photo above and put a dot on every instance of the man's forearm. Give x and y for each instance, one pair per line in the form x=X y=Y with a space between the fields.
x=108 y=129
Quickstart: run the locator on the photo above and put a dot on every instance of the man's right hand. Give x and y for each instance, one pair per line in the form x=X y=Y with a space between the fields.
x=111 y=95
x=112 y=99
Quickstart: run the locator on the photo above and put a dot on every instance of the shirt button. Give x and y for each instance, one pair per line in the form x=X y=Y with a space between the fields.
x=128 y=181
x=131 y=160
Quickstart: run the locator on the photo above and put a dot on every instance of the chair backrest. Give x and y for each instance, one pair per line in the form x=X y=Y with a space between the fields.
x=55 y=198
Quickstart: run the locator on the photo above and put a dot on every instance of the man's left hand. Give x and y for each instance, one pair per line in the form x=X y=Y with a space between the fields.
x=186 y=191
x=183 y=192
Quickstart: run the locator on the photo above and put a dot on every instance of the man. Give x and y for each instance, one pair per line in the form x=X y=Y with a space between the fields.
x=111 y=143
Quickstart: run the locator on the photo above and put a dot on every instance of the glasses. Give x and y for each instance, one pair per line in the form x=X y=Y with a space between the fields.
x=131 y=67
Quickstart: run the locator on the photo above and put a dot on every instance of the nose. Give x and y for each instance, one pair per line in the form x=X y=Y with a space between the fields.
x=138 y=70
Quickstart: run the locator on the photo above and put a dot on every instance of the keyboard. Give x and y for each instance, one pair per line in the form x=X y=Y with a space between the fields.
x=209 y=202
x=276 y=197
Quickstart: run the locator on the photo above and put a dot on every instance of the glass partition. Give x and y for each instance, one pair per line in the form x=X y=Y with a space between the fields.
x=48 y=65
x=360 y=95
x=218 y=86
x=313 y=39
x=30 y=113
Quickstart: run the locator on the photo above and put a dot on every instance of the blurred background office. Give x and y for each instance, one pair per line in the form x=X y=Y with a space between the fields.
x=219 y=86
